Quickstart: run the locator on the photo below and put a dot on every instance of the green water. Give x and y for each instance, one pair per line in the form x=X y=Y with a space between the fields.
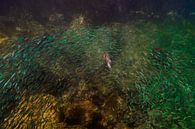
x=152 y=69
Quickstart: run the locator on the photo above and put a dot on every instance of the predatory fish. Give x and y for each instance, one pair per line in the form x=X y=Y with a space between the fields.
x=107 y=60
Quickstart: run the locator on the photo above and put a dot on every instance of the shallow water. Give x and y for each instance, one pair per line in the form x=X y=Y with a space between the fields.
x=53 y=74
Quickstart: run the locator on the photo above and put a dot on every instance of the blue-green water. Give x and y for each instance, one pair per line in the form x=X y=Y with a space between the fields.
x=56 y=76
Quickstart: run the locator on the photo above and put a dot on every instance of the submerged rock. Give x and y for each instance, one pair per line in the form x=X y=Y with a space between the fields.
x=40 y=111
x=82 y=113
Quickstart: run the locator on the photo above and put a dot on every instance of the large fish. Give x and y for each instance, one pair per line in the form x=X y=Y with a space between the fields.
x=107 y=60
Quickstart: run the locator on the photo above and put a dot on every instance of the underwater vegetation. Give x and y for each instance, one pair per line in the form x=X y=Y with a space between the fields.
x=59 y=80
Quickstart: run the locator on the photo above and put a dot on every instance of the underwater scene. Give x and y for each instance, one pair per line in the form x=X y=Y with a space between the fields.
x=97 y=64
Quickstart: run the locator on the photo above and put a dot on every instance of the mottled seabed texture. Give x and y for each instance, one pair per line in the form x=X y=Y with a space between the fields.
x=110 y=64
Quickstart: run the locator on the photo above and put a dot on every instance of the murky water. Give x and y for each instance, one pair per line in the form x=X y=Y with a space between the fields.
x=77 y=68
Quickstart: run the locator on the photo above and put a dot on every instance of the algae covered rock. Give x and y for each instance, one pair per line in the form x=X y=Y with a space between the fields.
x=81 y=113
x=93 y=107
x=40 y=111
